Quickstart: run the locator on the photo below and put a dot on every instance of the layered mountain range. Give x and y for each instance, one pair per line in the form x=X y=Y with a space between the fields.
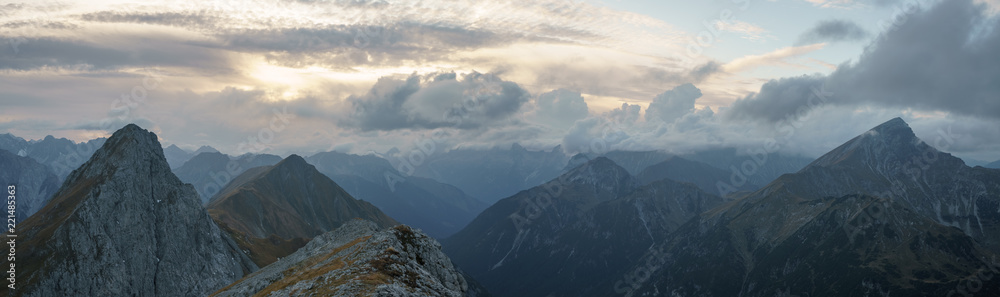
x=437 y=208
x=563 y=237
x=60 y=154
x=995 y=165
x=33 y=183
x=210 y=172
x=885 y=212
x=489 y=175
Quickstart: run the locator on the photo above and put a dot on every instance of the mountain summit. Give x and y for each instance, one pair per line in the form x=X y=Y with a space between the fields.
x=286 y=204
x=123 y=225
x=892 y=141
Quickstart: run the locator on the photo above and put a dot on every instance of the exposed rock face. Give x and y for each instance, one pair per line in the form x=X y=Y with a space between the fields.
x=358 y=259
x=288 y=201
x=123 y=225
x=35 y=183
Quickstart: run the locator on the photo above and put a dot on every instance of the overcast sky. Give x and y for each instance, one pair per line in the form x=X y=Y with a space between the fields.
x=359 y=76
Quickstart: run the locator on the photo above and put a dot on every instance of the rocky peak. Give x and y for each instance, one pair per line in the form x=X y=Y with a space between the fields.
x=128 y=149
x=888 y=144
x=603 y=173
x=124 y=218
x=296 y=162
x=206 y=149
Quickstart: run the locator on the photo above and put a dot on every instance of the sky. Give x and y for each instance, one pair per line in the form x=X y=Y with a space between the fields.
x=361 y=76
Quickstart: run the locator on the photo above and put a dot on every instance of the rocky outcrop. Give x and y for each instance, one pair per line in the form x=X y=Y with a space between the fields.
x=123 y=225
x=358 y=259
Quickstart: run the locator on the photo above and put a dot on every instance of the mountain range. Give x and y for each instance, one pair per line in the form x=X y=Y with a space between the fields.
x=60 y=154
x=995 y=165
x=563 y=236
x=491 y=174
x=437 y=208
x=33 y=183
x=884 y=212
x=210 y=172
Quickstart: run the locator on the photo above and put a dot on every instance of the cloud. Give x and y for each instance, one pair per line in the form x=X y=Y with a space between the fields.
x=433 y=101
x=673 y=104
x=941 y=59
x=746 y=30
x=776 y=57
x=852 y=3
x=627 y=113
x=560 y=108
x=114 y=52
x=833 y=31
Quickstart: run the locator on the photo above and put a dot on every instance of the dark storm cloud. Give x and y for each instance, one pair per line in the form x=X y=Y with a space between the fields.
x=433 y=101
x=941 y=59
x=833 y=31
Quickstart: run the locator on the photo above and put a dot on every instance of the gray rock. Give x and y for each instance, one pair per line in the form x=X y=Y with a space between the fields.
x=357 y=259
x=123 y=225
